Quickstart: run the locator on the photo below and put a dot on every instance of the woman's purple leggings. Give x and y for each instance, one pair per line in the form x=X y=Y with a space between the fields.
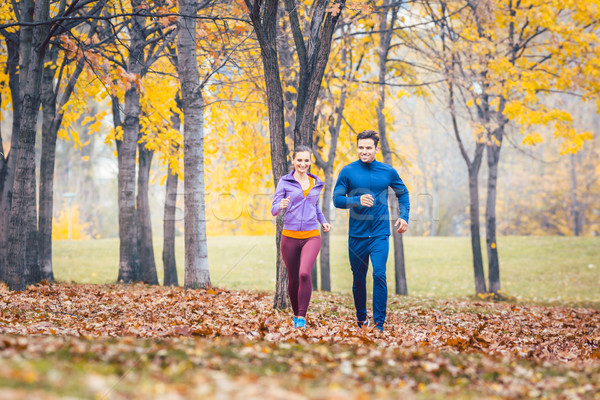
x=299 y=256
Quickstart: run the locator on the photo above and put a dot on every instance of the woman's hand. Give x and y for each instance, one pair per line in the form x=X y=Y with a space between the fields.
x=284 y=203
x=326 y=227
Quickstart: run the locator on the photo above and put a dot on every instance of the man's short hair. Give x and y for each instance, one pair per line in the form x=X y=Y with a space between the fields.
x=368 y=134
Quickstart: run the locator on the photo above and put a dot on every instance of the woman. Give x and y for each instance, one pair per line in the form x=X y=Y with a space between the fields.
x=298 y=194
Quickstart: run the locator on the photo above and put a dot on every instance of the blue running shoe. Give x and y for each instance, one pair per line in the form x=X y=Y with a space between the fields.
x=366 y=323
x=295 y=322
x=301 y=323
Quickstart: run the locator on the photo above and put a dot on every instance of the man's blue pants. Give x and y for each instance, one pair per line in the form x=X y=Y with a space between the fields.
x=360 y=250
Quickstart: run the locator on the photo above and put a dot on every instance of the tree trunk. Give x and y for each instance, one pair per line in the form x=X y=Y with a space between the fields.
x=327 y=167
x=51 y=122
x=475 y=235
x=399 y=265
x=398 y=244
x=313 y=60
x=314 y=276
x=265 y=26
x=168 y=255
x=282 y=298
x=145 y=245
x=129 y=268
x=49 y=136
x=22 y=264
x=196 y=249
x=493 y=159
x=574 y=203
x=473 y=170
x=384 y=48
x=287 y=61
x=325 y=236
x=7 y=173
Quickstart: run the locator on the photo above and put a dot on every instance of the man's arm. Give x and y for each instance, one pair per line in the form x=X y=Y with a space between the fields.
x=402 y=195
x=340 y=193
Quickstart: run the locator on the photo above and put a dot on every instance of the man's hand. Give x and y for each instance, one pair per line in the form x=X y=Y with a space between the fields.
x=402 y=225
x=367 y=200
x=326 y=227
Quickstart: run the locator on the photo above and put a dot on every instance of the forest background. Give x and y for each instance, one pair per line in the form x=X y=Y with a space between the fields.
x=548 y=178
x=487 y=108
x=551 y=188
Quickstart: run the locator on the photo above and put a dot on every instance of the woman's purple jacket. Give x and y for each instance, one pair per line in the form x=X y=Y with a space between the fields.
x=303 y=213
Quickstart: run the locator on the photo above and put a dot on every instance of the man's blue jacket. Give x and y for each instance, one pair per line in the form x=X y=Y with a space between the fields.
x=372 y=178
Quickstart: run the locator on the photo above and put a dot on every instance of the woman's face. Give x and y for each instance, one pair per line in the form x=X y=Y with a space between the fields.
x=301 y=161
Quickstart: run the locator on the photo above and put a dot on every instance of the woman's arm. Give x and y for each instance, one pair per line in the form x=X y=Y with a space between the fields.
x=320 y=215
x=279 y=195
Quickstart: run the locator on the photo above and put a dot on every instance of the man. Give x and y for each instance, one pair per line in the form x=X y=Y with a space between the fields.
x=362 y=187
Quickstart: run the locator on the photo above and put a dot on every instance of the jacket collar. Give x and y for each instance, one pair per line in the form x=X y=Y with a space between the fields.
x=290 y=177
x=367 y=165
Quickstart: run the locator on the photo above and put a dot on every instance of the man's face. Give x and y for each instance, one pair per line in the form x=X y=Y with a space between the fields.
x=366 y=150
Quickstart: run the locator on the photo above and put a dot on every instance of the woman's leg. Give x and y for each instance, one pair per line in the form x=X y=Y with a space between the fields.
x=290 y=251
x=310 y=250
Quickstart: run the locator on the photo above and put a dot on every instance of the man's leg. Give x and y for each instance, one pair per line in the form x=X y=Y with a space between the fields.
x=379 y=254
x=358 y=252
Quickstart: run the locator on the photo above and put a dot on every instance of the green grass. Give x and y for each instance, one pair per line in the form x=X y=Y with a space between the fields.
x=540 y=269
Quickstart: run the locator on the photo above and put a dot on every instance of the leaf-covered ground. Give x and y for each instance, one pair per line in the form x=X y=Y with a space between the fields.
x=117 y=341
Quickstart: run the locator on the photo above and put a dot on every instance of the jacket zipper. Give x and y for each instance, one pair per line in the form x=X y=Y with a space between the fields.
x=371 y=190
x=304 y=201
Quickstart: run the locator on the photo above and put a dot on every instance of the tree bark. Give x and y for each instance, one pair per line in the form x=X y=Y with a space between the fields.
x=575 y=213
x=168 y=255
x=384 y=48
x=22 y=261
x=325 y=255
x=7 y=173
x=52 y=120
x=129 y=267
x=282 y=299
x=196 y=249
x=473 y=170
x=327 y=166
x=480 y=286
x=264 y=21
x=145 y=245
x=313 y=60
x=49 y=136
x=493 y=159
x=314 y=277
